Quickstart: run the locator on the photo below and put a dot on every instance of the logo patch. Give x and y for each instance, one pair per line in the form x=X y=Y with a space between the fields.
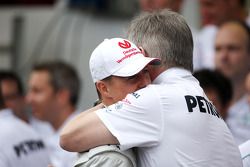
x=124 y=45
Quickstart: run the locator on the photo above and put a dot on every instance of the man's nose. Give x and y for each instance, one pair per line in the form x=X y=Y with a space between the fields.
x=224 y=54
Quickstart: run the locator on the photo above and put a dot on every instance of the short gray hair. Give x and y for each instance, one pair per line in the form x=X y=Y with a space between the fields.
x=164 y=34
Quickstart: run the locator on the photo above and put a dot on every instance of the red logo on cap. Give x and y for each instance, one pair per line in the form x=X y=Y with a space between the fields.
x=124 y=45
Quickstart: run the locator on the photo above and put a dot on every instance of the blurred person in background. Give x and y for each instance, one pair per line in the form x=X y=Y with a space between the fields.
x=20 y=145
x=13 y=94
x=214 y=13
x=217 y=87
x=232 y=49
x=14 y=98
x=149 y=5
x=53 y=91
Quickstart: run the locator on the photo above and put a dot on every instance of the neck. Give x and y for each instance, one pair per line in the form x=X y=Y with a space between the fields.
x=155 y=71
x=62 y=114
x=107 y=101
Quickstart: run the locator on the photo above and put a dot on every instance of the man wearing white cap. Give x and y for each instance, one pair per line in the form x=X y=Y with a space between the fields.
x=171 y=121
x=108 y=66
x=116 y=67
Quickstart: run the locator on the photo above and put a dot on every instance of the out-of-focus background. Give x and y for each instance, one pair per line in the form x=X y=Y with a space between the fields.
x=69 y=30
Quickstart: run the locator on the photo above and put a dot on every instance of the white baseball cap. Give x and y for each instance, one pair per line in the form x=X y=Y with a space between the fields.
x=118 y=57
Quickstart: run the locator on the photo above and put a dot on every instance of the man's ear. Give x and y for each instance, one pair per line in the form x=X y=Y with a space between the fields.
x=143 y=51
x=102 y=88
x=63 y=96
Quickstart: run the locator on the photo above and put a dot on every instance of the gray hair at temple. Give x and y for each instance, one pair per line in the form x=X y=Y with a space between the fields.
x=163 y=34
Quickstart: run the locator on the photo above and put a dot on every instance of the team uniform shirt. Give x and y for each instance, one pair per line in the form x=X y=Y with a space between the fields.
x=60 y=157
x=20 y=145
x=172 y=123
x=238 y=120
x=245 y=153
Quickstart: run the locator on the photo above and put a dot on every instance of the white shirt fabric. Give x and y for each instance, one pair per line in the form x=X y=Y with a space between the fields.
x=245 y=153
x=42 y=127
x=238 y=120
x=60 y=157
x=204 y=55
x=157 y=120
x=20 y=145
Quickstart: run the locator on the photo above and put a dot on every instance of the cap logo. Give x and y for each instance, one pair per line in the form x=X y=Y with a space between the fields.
x=124 y=45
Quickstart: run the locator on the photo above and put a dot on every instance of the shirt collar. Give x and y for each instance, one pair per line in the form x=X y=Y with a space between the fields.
x=174 y=72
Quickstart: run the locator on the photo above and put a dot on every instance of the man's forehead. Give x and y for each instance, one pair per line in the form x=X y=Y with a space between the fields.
x=231 y=31
x=39 y=78
x=40 y=74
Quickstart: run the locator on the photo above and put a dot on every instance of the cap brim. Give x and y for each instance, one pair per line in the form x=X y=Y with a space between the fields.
x=138 y=64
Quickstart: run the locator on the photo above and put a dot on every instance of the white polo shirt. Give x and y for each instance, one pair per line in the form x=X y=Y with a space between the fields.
x=20 y=144
x=173 y=124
